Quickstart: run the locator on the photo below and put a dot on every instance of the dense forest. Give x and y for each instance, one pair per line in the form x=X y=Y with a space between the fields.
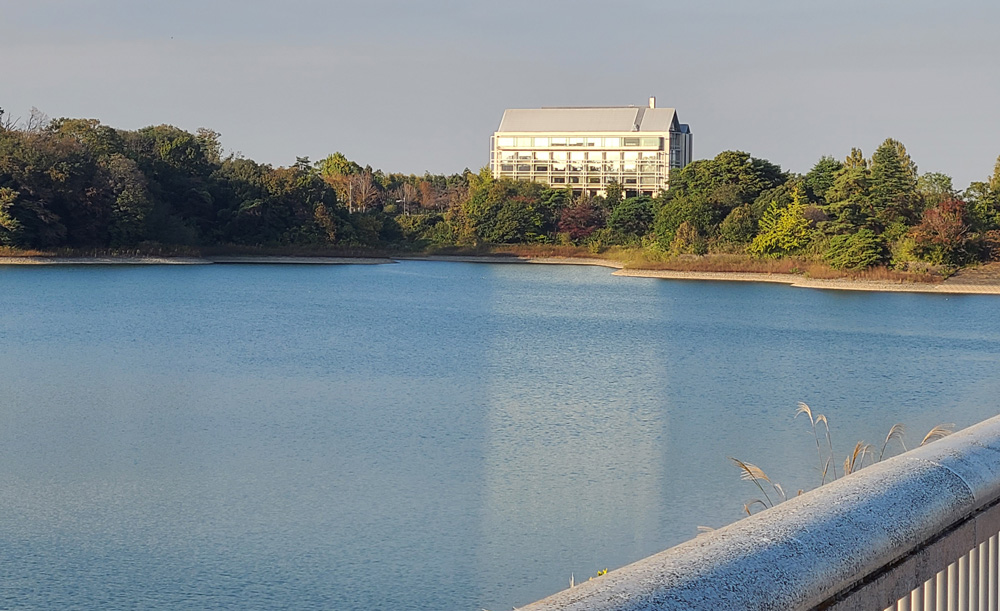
x=76 y=185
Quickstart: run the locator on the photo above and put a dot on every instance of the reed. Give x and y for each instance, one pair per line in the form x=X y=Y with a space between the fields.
x=855 y=459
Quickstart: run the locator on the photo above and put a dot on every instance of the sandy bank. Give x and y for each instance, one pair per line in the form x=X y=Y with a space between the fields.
x=954 y=285
x=261 y=260
x=103 y=261
x=191 y=260
x=982 y=280
x=515 y=259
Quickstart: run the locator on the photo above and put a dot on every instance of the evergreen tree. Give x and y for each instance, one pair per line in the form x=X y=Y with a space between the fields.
x=893 y=183
x=820 y=178
x=848 y=204
x=856 y=160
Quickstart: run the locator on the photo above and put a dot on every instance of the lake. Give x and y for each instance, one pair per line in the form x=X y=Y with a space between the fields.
x=425 y=435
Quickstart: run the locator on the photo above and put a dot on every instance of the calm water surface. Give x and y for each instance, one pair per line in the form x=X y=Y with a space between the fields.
x=424 y=435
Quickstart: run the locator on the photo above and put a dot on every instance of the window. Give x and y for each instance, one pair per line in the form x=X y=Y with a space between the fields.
x=558 y=179
x=574 y=179
x=524 y=168
x=650 y=142
x=507 y=167
x=505 y=142
x=648 y=180
x=631 y=141
x=541 y=142
x=523 y=142
x=593 y=142
x=594 y=180
x=541 y=168
x=612 y=142
x=558 y=142
x=576 y=141
x=629 y=181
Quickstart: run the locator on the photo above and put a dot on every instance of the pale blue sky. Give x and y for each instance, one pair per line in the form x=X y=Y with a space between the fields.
x=414 y=86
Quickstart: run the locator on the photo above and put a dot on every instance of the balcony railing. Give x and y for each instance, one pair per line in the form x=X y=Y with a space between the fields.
x=915 y=532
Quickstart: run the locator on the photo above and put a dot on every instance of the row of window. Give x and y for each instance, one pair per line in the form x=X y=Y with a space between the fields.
x=598 y=180
x=650 y=168
x=580 y=156
x=553 y=141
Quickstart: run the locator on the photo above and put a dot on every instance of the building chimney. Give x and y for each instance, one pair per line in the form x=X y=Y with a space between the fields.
x=652 y=102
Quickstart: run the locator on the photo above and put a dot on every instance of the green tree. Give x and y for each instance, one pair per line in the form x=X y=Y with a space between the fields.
x=934 y=189
x=820 y=178
x=893 y=183
x=337 y=164
x=688 y=241
x=782 y=230
x=730 y=179
x=11 y=230
x=131 y=197
x=857 y=160
x=858 y=250
x=739 y=226
x=678 y=209
x=613 y=194
x=848 y=202
x=631 y=219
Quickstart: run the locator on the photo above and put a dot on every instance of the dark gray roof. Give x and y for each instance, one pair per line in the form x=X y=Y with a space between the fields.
x=614 y=119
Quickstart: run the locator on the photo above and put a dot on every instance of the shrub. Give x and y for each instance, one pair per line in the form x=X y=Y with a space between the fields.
x=739 y=225
x=687 y=241
x=855 y=251
x=782 y=231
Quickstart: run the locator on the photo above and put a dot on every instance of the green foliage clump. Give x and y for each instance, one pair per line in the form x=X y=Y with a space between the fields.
x=739 y=226
x=782 y=231
x=631 y=219
x=688 y=241
x=855 y=251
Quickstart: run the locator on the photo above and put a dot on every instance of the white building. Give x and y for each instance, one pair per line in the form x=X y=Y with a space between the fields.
x=587 y=148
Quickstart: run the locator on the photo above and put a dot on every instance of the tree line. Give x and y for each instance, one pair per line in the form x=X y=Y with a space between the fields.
x=75 y=184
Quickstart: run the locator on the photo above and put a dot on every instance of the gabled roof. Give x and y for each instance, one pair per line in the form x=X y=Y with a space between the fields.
x=610 y=119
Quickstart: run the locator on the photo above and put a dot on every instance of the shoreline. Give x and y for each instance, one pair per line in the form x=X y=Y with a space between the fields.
x=224 y=260
x=978 y=281
x=953 y=286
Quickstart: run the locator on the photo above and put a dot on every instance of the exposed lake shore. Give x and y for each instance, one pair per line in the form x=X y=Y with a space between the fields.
x=983 y=280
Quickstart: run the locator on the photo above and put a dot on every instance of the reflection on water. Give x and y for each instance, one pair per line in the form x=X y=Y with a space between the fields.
x=424 y=435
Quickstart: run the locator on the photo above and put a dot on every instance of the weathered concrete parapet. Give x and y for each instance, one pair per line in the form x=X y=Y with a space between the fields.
x=883 y=525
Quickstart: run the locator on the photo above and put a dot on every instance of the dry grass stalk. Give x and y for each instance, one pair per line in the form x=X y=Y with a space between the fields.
x=938 y=432
x=755 y=474
x=856 y=459
x=896 y=432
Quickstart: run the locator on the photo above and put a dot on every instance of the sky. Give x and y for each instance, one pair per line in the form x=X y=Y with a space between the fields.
x=410 y=86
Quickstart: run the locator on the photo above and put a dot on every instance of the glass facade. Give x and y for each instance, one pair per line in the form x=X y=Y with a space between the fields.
x=589 y=161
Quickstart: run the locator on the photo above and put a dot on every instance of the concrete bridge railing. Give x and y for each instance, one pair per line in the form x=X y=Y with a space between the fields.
x=917 y=532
